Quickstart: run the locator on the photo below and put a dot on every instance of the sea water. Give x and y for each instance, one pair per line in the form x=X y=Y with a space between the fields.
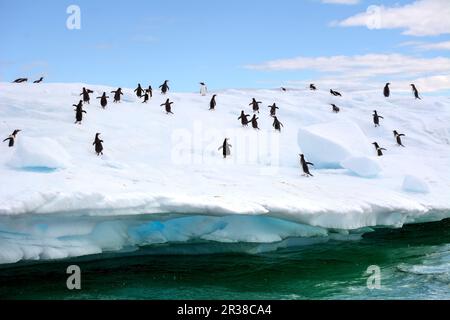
x=413 y=262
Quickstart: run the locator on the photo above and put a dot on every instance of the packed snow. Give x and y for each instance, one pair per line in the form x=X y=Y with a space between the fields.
x=59 y=199
x=415 y=184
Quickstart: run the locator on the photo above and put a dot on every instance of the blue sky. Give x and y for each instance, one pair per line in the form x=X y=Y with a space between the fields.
x=121 y=43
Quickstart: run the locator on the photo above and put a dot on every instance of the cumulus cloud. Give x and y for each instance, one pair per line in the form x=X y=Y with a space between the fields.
x=419 y=18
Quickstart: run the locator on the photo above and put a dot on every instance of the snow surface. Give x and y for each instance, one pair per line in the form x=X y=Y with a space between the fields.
x=362 y=166
x=415 y=184
x=157 y=165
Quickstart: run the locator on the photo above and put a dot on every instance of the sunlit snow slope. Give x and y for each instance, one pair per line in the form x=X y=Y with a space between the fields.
x=164 y=166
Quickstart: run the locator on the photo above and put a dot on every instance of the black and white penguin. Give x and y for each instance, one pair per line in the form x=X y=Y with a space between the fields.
x=376 y=118
x=273 y=109
x=164 y=87
x=212 y=103
x=255 y=105
x=335 y=93
x=103 y=100
x=12 y=138
x=139 y=90
x=277 y=124
x=39 y=80
x=146 y=96
x=243 y=118
x=226 y=151
x=312 y=87
x=117 y=94
x=203 y=89
x=85 y=94
x=398 y=138
x=283 y=89
x=305 y=167
x=378 y=149
x=254 y=122
x=79 y=112
x=386 y=90
x=335 y=108
x=98 y=145
x=149 y=91
x=415 y=92
x=20 y=80
x=168 y=104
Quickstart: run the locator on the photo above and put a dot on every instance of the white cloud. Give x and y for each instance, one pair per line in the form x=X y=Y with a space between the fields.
x=370 y=68
x=341 y=1
x=445 y=45
x=419 y=18
x=368 y=65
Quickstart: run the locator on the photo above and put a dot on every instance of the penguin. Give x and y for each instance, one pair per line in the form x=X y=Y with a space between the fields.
x=139 y=91
x=273 y=109
x=225 y=148
x=146 y=96
x=164 y=87
x=335 y=93
x=20 y=80
x=387 y=91
x=79 y=112
x=277 y=124
x=85 y=94
x=254 y=122
x=150 y=91
x=255 y=105
x=12 y=138
x=243 y=118
x=283 y=89
x=415 y=92
x=398 y=137
x=203 y=89
x=167 y=104
x=312 y=87
x=378 y=149
x=39 y=81
x=304 y=165
x=212 y=103
x=335 y=108
x=117 y=95
x=98 y=145
x=376 y=118
x=103 y=100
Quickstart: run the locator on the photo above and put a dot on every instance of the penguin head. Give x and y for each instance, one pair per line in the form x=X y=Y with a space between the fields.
x=214 y=95
x=16 y=132
x=301 y=155
x=395 y=132
x=97 y=134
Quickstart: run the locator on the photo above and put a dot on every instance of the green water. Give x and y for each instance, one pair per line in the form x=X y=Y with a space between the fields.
x=414 y=263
